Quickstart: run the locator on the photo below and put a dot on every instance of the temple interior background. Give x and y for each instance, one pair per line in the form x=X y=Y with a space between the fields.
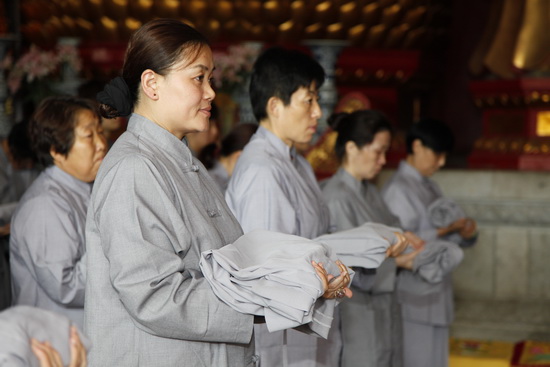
x=482 y=66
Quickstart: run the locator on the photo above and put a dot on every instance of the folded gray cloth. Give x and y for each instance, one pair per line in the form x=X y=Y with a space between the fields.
x=19 y=324
x=364 y=246
x=270 y=274
x=438 y=259
x=444 y=211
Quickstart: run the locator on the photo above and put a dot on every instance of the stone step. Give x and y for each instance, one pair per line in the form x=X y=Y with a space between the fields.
x=502 y=320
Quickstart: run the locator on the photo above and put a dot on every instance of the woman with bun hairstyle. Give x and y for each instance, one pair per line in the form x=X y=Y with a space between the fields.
x=153 y=210
x=371 y=322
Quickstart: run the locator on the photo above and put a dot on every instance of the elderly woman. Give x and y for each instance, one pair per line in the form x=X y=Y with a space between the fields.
x=47 y=244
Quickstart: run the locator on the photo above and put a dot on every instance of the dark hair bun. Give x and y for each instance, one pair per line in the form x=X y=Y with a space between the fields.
x=115 y=99
x=335 y=120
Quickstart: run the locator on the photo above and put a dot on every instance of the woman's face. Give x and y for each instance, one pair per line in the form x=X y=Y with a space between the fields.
x=425 y=160
x=365 y=163
x=298 y=121
x=185 y=95
x=88 y=149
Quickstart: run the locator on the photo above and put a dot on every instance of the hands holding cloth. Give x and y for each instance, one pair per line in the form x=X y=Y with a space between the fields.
x=270 y=274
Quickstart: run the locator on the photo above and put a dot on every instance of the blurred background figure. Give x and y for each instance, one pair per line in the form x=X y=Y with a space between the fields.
x=409 y=193
x=31 y=336
x=47 y=242
x=231 y=148
x=198 y=141
x=17 y=172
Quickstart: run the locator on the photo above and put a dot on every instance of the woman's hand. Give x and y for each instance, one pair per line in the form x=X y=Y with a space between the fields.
x=469 y=230
x=398 y=247
x=49 y=357
x=335 y=287
x=456 y=226
x=406 y=261
x=414 y=241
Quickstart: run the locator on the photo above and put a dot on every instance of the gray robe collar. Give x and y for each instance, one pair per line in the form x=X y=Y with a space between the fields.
x=277 y=144
x=69 y=181
x=357 y=186
x=172 y=146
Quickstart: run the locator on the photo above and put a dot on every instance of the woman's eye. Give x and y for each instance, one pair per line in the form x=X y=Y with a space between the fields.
x=199 y=78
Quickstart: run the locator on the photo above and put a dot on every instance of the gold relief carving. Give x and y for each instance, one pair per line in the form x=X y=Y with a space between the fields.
x=322 y=157
x=532 y=147
x=543 y=123
x=505 y=123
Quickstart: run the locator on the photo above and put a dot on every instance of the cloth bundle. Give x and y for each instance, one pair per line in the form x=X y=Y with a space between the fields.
x=444 y=211
x=19 y=324
x=438 y=259
x=364 y=246
x=270 y=274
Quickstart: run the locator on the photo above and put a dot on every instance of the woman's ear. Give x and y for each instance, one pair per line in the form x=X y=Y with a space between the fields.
x=273 y=107
x=351 y=148
x=150 y=83
x=416 y=145
x=57 y=157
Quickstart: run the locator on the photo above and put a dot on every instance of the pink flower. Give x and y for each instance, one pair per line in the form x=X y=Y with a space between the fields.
x=38 y=64
x=234 y=66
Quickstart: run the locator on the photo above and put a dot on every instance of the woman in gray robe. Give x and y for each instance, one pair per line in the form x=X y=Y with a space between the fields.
x=274 y=188
x=154 y=210
x=371 y=321
x=427 y=308
x=47 y=242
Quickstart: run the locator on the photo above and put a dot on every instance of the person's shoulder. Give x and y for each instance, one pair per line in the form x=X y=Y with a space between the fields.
x=335 y=188
x=43 y=192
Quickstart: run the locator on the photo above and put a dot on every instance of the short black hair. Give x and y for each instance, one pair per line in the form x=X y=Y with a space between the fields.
x=433 y=134
x=279 y=72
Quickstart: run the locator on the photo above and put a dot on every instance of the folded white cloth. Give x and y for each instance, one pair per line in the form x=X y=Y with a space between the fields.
x=364 y=246
x=19 y=324
x=270 y=274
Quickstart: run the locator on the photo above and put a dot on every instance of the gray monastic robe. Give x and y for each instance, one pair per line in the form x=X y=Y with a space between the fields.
x=274 y=188
x=47 y=244
x=154 y=210
x=371 y=322
x=427 y=308
x=19 y=324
